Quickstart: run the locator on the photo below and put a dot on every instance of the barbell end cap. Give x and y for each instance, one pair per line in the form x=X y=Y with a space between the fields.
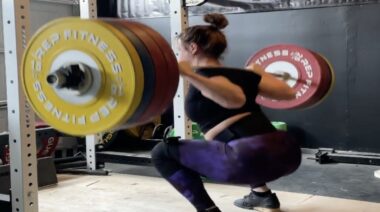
x=56 y=79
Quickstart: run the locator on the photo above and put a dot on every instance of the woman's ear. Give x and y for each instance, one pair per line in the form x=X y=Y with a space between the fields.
x=193 y=48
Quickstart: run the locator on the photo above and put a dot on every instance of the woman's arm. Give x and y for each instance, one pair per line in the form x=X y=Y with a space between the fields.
x=219 y=89
x=272 y=87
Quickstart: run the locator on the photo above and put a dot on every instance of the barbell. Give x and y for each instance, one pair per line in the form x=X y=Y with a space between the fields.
x=86 y=76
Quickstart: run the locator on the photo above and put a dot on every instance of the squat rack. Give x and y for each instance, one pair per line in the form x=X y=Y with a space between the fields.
x=21 y=118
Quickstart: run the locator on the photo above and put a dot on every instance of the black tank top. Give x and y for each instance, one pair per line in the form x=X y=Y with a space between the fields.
x=207 y=113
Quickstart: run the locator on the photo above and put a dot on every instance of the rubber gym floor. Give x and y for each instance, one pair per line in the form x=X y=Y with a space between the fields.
x=313 y=187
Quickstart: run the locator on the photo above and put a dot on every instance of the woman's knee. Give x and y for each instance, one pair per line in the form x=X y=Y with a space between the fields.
x=158 y=153
x=164 y=153
x=165 y=160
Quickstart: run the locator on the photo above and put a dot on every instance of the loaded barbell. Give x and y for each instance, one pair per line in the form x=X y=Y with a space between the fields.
x=89 y=76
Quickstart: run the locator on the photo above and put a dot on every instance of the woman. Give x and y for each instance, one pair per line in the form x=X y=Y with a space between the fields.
x=243 y=146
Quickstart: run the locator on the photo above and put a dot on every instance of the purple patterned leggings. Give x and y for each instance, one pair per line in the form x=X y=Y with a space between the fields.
x=253 y=160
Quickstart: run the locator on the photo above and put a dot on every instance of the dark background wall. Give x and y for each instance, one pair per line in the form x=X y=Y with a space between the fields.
x=349 y=37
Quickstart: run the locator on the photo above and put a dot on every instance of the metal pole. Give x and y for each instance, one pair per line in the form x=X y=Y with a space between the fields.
x=22 y=141
x=88 y=9
x=178 y=22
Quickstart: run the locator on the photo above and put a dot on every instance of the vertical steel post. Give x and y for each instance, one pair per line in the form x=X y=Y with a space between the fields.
x=21 y=119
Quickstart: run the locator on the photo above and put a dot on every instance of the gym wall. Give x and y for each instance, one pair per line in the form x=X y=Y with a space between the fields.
x=348 y=36
x=41 y=13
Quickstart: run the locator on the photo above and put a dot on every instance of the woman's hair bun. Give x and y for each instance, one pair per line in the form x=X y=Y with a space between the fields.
x=216 y=20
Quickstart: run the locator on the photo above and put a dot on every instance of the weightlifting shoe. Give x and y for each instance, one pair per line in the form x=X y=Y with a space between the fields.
x=265 y=203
